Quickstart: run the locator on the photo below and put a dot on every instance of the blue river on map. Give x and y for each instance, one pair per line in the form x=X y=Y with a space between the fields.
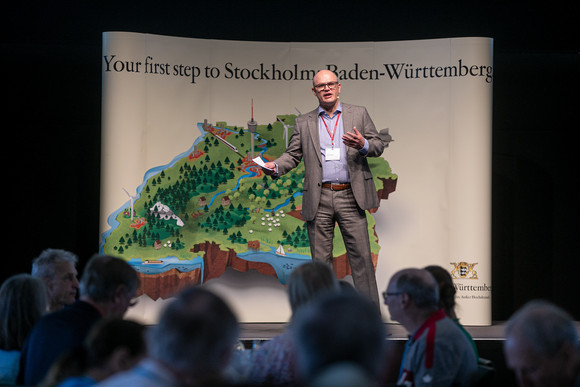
x=282 y=265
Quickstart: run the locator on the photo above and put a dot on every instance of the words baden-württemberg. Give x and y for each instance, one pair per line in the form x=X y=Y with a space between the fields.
x=391 y=71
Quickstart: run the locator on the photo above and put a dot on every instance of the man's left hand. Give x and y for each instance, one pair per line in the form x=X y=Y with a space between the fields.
x=354 y=140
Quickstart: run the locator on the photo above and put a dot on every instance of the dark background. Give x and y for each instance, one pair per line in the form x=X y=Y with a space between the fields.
x=51 y=63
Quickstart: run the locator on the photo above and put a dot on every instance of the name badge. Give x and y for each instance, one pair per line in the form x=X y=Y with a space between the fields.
x=332 y=154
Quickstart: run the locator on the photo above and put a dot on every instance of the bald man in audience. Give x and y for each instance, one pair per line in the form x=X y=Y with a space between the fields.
x=437 y=352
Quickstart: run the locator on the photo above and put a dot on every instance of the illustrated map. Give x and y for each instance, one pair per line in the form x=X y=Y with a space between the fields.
x=212 y=208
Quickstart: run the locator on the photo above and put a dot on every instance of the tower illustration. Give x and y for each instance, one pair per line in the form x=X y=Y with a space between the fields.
x=252 y=126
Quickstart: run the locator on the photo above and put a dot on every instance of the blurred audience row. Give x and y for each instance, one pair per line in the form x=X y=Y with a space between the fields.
x=335 y=337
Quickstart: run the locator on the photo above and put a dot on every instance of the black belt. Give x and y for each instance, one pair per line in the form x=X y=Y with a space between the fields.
x=336 y=187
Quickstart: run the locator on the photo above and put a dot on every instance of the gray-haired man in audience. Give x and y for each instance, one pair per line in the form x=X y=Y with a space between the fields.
x=542 y=346
x=190 y=346
x=57 y=268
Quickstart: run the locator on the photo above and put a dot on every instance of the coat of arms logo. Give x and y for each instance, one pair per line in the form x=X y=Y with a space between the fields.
x=463 y=270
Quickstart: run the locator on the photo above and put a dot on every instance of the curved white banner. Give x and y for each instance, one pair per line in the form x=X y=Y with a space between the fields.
x=182 y=201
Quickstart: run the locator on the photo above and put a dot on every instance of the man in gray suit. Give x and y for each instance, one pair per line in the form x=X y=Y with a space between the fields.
x=334 y=140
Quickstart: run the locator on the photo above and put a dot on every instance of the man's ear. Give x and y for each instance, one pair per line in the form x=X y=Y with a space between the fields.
x=405 y=300
x=120 y=292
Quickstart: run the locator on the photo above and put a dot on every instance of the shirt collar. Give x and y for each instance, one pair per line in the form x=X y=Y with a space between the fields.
x=322 y=111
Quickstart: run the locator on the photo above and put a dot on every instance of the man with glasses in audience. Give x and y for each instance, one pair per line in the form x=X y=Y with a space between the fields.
x=334 y=141
x=437 y=352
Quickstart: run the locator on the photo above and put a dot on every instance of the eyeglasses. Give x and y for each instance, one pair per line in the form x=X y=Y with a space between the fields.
x=322 y=86
x=390 y=294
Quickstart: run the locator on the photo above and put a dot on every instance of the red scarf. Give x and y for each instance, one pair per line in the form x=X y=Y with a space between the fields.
x=430 y=326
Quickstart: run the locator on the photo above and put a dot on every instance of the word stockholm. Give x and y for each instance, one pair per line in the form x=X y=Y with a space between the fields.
x=263 y=72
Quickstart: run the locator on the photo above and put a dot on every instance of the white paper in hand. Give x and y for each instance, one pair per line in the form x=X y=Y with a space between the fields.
x=258 y=160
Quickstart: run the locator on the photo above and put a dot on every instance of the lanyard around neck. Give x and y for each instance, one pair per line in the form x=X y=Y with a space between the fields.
x=335 y=126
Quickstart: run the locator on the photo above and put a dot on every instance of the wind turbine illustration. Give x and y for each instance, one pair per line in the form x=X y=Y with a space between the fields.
x=132 y=199
x=285 y=130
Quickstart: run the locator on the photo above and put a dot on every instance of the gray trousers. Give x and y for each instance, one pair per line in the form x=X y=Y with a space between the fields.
x=340 y=207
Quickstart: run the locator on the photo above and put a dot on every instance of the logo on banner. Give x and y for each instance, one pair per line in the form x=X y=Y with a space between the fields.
x=463 y=270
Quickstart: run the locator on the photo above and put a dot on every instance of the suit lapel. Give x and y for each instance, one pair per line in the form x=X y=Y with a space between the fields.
x=314 y=136
x=347 y=122
x=346 y=118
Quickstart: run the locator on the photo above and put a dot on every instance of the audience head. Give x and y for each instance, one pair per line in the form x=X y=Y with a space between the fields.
x=446 y=289
x=336 y=334
x=542 y=346
x=23 y=300
x=412 y=295
x=115 y=345
x=57 y=268
x=112 y=346
x=308 y=281
x=195 y=335
x=110 y=284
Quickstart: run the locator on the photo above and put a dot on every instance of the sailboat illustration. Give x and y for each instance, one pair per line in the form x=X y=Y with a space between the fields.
x=280 y=250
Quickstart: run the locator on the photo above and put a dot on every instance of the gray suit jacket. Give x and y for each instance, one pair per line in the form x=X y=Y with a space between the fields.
x=305 y=144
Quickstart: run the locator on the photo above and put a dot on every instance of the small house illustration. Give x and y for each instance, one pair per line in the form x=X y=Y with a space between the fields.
x=254 y=245
x=157 y=244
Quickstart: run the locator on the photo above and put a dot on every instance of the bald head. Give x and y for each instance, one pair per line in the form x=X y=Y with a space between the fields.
x=324 y=74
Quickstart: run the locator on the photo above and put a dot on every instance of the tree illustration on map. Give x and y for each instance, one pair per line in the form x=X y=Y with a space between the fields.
x=212 y=208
